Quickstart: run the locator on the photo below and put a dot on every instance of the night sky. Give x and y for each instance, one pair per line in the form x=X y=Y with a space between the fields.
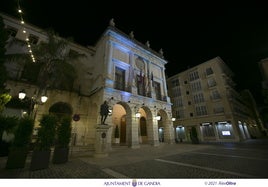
x=189 y=32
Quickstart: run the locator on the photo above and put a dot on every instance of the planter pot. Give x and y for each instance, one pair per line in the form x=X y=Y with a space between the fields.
x=17 y=158
x=40 y=160
x=4 y=148
x=117 y=140
x=60 y=155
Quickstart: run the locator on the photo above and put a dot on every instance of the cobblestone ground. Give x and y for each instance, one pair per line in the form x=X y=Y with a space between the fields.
x=178 y=161
x=75 y=168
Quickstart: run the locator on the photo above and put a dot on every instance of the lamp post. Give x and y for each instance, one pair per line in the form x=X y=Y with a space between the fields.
x=34 y=101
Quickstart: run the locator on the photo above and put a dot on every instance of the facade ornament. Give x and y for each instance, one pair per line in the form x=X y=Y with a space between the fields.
x=111 y=23
x=148 y=43
x=131 y=34
x=161 y=52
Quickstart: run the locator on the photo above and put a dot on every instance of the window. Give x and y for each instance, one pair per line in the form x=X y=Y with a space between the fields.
x=194 y=75
x=140 y=84
x=157 y=89
x=175 y=82
x=176 y=91
x=211 y=82
x=12 y=31
x=199 y=98
x=208 y=130
x=119 y=78
x=33 y=39
x=209 y=71
x=215 y=95
x=201 y=110
x=196 y=86
x=179 y=114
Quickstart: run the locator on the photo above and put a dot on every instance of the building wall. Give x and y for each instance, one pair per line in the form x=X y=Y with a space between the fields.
x=115 y=52
x=204 y=97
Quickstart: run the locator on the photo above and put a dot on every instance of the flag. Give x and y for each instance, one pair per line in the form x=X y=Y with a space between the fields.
x=141 y=78
x=152 y=79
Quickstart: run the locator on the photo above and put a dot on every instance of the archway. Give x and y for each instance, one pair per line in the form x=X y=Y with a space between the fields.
x=121 y=116
x=164 y=131
x=61 y=109
x=123 y=130
x=143 y=130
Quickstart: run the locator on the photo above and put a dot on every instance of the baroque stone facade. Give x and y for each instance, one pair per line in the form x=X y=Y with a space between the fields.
x=127 y=74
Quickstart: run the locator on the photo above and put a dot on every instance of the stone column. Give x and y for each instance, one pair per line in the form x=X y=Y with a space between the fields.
x=101 y=146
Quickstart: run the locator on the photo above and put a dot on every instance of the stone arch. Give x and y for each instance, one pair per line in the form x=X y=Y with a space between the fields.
x=149 y=124
x=127 y=119
x=164 y=130
x=61 y=109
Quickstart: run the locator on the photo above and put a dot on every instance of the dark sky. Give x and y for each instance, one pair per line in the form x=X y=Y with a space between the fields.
x=189 y=32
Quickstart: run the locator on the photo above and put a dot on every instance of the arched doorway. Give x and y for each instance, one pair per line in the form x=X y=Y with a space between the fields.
x=61 y=109
x=165 y=129
x=123 y=130
x=143 y=130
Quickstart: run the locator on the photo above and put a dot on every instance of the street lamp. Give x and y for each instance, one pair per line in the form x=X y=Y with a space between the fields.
x=22 y=94
x=44 y=98
x=34 y=101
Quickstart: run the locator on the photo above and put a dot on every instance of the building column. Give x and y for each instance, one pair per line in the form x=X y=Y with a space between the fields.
x=152 y=129
x=132 y=132
x=168 y=131
x=109 y=66
x=216 y=131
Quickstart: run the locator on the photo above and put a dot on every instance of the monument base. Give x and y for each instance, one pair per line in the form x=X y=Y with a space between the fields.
x=101 y=146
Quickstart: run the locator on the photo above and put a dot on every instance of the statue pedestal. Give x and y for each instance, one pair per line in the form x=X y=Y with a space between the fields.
x=101 y=147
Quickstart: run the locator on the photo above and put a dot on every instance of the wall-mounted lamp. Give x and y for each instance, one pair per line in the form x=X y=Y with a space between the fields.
x=110 y=111
x=138 y=115
x=22 y=94
x=44 y=99
x=158 y=118
x=173 y=119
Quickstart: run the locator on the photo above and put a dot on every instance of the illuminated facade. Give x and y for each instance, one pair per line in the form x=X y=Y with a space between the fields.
x=118 y=69
x=204 y=97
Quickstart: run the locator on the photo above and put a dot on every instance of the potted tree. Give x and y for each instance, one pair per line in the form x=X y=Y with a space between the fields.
x=193 y=136
x=7 y=129
x=20 y=147
x=45 y=139
x=63 y=138
x=116 y=134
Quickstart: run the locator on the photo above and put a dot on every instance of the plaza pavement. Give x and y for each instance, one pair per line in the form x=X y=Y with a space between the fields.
x=83 y=165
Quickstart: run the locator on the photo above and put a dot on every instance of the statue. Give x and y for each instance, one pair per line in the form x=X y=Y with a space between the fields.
x=104 y=111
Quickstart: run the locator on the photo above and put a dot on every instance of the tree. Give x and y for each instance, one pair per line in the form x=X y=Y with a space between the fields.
x=4 y=95
x=52 y=68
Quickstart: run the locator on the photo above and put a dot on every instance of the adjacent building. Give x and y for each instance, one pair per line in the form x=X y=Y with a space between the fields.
x=204 y=97
x=263 y=66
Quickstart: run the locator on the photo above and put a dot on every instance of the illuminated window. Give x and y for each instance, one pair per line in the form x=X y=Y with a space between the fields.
x=119 y=78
